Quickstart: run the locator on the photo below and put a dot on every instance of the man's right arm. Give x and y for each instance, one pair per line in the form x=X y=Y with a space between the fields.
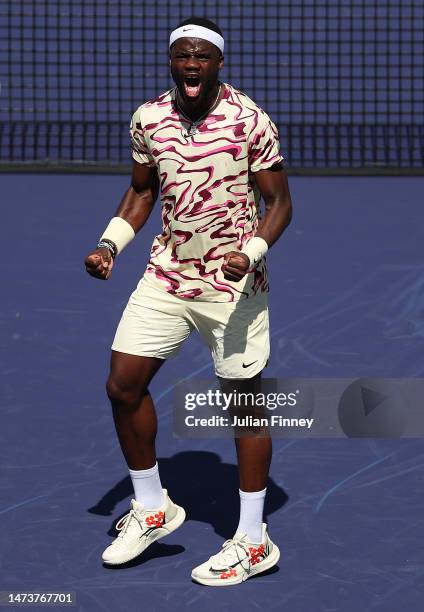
x=135 y=209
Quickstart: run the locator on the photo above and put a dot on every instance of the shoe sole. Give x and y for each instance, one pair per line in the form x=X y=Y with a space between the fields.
x=269 y=562
x=159 y=533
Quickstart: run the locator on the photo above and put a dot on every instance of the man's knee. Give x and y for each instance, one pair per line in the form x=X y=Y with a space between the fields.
x=125 y=394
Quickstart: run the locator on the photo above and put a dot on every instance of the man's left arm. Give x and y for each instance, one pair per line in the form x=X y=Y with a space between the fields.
x=273 y=186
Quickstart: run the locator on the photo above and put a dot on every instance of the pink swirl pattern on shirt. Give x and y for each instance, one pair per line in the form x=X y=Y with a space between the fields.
x=209 y=200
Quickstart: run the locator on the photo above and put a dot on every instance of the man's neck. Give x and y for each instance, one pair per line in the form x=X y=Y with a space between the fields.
x=193 y=111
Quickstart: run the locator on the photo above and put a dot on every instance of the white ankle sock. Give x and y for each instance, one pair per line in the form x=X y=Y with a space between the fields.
x=251 y=511
x=147 y=487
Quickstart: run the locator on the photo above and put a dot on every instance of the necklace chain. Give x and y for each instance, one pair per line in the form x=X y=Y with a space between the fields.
x=193 y=127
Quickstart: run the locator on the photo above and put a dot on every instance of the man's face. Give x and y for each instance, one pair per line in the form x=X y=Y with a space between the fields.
x=195 y=65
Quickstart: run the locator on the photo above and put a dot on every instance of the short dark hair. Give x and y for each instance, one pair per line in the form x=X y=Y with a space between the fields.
x=201 y=21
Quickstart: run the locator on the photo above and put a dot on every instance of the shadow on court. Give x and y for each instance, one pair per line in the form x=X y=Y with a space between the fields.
x=155 y=551
x=204 y=486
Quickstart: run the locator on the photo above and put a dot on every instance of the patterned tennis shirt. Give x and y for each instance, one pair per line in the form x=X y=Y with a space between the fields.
x=209 y=198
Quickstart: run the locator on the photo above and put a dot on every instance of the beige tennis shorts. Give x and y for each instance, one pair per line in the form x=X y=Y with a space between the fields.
x=156 y=323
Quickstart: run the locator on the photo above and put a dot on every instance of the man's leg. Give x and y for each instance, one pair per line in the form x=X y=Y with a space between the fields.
x=153 y=514
x=152 y=329
x=133 y=410
x=239 y=338
x=254 y=452
x=154 y=325
x=250 y=551
x=136 y=422
x=254 y=459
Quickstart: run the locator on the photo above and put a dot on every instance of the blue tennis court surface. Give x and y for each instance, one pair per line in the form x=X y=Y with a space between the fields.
x=347 y=294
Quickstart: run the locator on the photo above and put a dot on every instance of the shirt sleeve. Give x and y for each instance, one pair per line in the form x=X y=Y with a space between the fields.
x=263 y=144
x=139 y=148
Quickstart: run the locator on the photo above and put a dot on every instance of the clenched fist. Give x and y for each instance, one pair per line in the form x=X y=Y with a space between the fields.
x=99 y=263
x=235 y=266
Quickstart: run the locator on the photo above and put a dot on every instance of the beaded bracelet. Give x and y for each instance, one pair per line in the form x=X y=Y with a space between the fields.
x=109 y=245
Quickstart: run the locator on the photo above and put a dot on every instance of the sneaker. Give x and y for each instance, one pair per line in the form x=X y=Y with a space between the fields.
x=140 y=527
x=238 y=560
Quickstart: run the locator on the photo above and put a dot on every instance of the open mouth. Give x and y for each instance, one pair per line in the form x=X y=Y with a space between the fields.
x=192 y=85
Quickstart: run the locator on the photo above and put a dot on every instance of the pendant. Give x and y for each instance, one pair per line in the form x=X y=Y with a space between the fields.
x=192 y=131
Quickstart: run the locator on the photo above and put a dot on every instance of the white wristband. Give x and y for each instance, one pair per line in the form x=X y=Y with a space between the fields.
x=120 y=232
x=255 y=249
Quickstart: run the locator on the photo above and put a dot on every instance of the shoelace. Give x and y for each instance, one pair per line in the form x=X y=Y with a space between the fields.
x=132 y=515
x=230 y=554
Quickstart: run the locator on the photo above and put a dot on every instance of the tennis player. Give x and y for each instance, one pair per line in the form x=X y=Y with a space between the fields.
x=212 y=153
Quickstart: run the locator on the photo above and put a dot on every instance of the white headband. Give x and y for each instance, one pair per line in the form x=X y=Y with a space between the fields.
x=195 y=31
